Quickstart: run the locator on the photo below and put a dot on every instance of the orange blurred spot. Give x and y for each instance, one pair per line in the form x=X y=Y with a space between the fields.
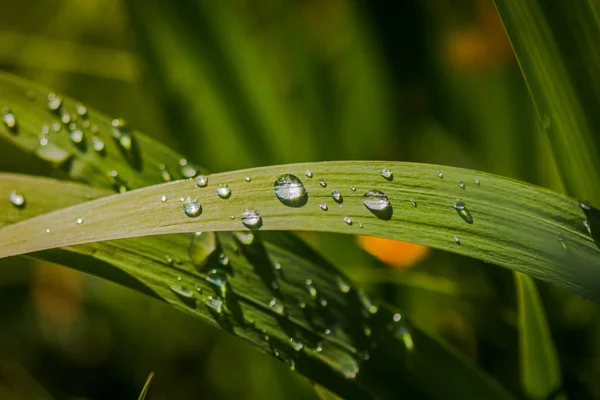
x=393 y=252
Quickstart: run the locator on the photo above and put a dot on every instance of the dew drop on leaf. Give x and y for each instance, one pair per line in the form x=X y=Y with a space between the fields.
x=223 y=259
x=247 y=179
x=9 y=120
x=180 y=290
x=192 y=208
x=387 y=174
x=218 y=277
x=308 y=174
x=353 y=188
x=378 y=203
x=587 y=226
x=342 y=284
x=323 y=206
x=440 y=174
x=76 y=136
x=16 y=199
x=97 y=144
x=290 y=190
x=277 y=306
x=413 y=203
x=461 y=184
x=348 y=220
x=79 y=220
x=164 y=173
x=163 y=198
x=214 y=304
x=561 y=240
x=477 y=181
x=223 y=191
x=251 y=219
x=202 y=181
x=310 y=287
x=462 y=210
x=296 y=344
x=322 y=182
x=54 y=102
x=457 y=240
x=337 y=196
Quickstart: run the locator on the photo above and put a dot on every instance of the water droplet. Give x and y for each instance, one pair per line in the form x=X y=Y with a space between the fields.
x=462 y=210
x=413 y=203
x=378 y=203
x=308 y=174
x=164 y=173
x=16 y=199
x=48 y=231
x=214 y=304
x=296 y=344
x=97 y=144
x=163 y=198
x=9 y=120
x=192 y=208
x=198 y=289
x=322 y=182
x=323 y=302
x=245 y=237
x=54 y=102
x=587 y=226
x=457 y=240
x=202 y=181
x=348 y=220
x=440 y=174
x=561 y=240
x=186 y=169
x=353 y=188
x=312 y=290
x=117 y=183
x=337 y=196
x=387 y=174
x=182 y=291
x=367 y=303
x=477 y=181
x=277 y=306
x=343 y=285
x=251 y=219
x=81 y=110
x=367 y=330
x=585 y=206
x=461 y=184
x=76 y=136
x=247 y=179
x=223 y=259
x=290 y=190
x=277 y=266
x=327 y=331
x=218 y=277
x=56 y=127
x=79 y=220
x=323 y=206
x=396 y=317
x=223 y=191
x=179 y=278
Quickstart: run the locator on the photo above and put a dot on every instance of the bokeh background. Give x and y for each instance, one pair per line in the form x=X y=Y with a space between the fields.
x=237 y=84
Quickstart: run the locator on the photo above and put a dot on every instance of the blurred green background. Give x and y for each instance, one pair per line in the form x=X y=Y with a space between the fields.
x=237 y=84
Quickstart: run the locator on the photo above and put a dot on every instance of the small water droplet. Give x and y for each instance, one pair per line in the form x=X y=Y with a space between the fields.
x=223 y=259
x=323 y=302
x=462 y=210
x=192 y=208
x=440 y=174
x=277 y=306
x=218 y=277
x=367 y=303
x=76 y=136
x=81 y=110
x=296 y=344
x=308 y=174
x=378 y=203
x=187 y=169
x=585 y=206
x=477 y=181
x=182 y=291
x=198 y=289
x=97 y=144
x=251 y=219
x=587 y=226
x=202 y=181
x=16 y=199
x=79 y=220
x=54 y=102
x=367 y=330
x=164 y=173
x=413 y=203
x=457 y=240
x=387 y=174
x=343 y=285
x=353 y=188
x=461 y=184
x=9 y=120
x=277 y=266
x=348 y=220
x=337 y=196
x=56 y=127
x=322 y=182
x=163 y=198
x=396 y=317
x=561 y=240
x=223 y=191
x=323 y=206
x=179 y=278
x=214 y=304
x=247 y=179
x=290 y=190
x=312 y=290
x=48 y=231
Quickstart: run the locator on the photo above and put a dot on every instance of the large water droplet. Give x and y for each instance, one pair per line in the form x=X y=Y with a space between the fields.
x=378 y=203
x=277 y=306
x=337 y=196
x=9 y=120
x=223 y=191
x=251 y=219
x=462 y=210
x=187 y=169
x=387 y=174
x=290 y=190
x=202 y=181
x=16 y=199
x=192 y=208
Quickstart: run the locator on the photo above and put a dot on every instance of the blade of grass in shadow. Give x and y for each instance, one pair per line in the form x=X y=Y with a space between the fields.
x=298 y=309
x=540 y=370
x=556 y=45
x=144 y=391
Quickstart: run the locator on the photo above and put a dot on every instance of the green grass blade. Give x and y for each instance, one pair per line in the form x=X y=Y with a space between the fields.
x=508 y=223
x=266 y=300
x=540 y=370
x=556 y=43
x=144 y=391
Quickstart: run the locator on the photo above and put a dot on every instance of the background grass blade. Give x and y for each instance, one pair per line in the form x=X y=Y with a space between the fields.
x=325 y=329
x=540 y=370
x=144 y=391
x=556 y=45
x=512 y=224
